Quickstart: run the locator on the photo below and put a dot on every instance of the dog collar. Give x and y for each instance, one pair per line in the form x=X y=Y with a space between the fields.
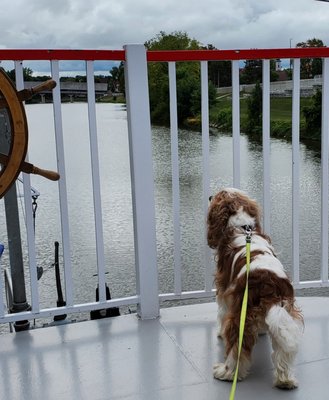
x=247 y=228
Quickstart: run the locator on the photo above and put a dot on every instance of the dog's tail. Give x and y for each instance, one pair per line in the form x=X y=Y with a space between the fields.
x=285 y=327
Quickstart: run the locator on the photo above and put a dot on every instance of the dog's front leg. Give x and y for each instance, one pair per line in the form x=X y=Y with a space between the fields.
x=222 y=310
x=225 y=371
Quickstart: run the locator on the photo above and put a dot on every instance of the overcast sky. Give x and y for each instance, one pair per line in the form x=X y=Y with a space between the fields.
x=109 y=24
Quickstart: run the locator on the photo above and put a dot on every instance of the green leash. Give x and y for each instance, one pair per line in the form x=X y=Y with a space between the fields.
x=243 y=312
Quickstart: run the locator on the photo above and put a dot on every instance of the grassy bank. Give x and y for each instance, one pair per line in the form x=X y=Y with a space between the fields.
x=281 y=107
x=112 y=99
x=280 y=115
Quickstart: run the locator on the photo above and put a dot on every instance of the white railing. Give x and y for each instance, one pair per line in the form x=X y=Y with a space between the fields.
x=147 y=297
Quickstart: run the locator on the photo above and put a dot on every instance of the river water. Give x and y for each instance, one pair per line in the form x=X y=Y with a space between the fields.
x=116 y=200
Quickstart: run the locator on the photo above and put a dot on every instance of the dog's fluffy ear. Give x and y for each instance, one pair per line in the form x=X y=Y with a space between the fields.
x=218 y=215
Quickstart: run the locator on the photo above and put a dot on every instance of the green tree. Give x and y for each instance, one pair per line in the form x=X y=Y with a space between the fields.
x=187 y=77
x=116 y=79
x=220 y=72
x=252 y=71
x=176 y=40
x=254 y=110
x=27 y=74
x=80 y=78
x=312 y=115
x=309 y=67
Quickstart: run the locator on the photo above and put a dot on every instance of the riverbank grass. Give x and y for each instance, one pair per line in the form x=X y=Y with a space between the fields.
x=220 y=115
x=280 y=107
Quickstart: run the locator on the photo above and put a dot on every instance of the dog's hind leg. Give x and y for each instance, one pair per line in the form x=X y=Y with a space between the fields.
x=285 y=332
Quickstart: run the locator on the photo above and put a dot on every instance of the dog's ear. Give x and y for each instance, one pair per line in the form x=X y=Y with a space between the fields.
x=218 y=215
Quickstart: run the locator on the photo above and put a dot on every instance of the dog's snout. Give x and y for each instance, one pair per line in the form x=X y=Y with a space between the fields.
x=210 y=198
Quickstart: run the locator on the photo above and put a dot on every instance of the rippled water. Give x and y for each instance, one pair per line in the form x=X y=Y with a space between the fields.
x=116 y=199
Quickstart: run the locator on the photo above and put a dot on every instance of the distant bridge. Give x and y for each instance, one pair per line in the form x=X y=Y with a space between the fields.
x=71 y=90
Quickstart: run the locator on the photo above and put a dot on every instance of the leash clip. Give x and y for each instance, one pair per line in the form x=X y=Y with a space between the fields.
x=248 y=232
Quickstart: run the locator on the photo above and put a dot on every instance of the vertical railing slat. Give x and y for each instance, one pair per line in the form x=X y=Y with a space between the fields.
x=295 y=169
x=96 y=180
x=28 y=213
x=236 y=123
x=175 y=177
x=266 y=148
x=142 y=185
x=58 y=124
x=2 y=286
x=324 y=169
x=205 y=168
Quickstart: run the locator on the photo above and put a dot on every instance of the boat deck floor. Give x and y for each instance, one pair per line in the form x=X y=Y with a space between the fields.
x=167 y=358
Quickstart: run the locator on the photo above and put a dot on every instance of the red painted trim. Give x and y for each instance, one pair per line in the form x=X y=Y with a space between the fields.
x=164 y=56
x=59 y=54
x=252 y=54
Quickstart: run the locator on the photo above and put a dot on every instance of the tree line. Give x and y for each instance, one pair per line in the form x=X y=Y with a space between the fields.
x=188 y=82
x=220 y=75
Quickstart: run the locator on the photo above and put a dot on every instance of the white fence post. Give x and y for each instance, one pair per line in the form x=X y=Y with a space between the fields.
x=324 y=170
x=236 y=123
x=142 y=184
x=296 y=170
x=266 y=148
x=28 y=212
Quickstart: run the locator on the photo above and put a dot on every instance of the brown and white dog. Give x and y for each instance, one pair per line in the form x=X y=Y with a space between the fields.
x=271 y=302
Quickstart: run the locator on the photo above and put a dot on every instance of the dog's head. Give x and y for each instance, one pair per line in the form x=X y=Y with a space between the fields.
x=229 y=209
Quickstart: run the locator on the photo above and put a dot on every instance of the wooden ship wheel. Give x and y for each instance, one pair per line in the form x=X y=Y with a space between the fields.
x=14 y=132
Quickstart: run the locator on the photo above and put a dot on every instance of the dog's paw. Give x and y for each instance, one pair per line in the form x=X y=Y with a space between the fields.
x=222 y=372
x=288 y=384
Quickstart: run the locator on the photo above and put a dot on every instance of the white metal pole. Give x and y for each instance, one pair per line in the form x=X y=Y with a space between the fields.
x=175 y=177
x=324 y=169
x=2 y=276
x=96 y=181
x=266 y=148
x=28 y=212
x=205 y=168
x=295 y=169
x=58 y=123
x=236 y=123
x=141 y=167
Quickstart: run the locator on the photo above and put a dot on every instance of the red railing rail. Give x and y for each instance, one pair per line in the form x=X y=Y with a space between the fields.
x=229 y=55
x=61 y=54
x=164 y=55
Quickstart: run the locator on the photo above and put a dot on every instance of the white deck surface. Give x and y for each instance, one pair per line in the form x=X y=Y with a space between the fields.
x=169 y=358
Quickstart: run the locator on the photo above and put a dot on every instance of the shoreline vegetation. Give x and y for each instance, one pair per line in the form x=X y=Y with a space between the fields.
x=220 y=118
x=188 y=90
x=220 y=107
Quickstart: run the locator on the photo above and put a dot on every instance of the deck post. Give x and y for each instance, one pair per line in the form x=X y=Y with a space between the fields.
x=142 y=183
